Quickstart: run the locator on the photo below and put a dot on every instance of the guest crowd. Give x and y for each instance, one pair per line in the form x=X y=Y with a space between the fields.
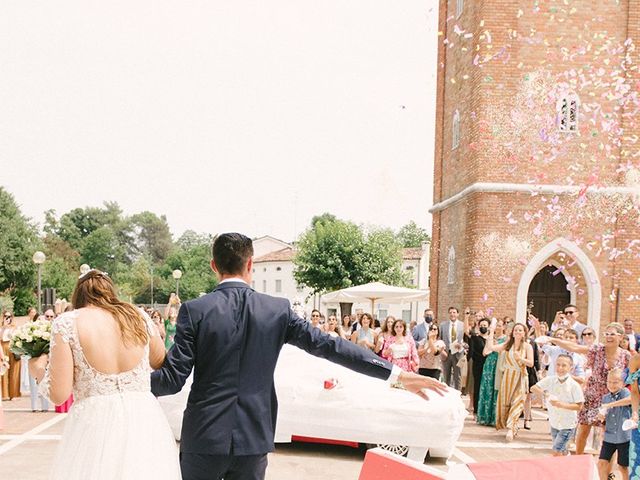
x=503 y=367
x=506 y=367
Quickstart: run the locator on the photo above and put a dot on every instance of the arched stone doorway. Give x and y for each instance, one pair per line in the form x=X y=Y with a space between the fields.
x=548 y=293
x=542 y=258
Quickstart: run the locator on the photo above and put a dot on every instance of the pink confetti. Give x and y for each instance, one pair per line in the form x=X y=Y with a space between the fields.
x=538 y=230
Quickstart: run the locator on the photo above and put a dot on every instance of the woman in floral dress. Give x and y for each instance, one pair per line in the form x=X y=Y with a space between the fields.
x=600 y=359
x=400 y=349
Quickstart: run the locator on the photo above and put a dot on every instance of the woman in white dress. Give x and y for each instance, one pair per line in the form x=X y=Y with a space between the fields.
x=103 y=352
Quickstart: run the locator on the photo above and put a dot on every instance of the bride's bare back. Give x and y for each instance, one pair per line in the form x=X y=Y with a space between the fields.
x=89 y=340
x=101 y=341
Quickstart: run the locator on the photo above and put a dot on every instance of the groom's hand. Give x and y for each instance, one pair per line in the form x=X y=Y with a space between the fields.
x=417 y=383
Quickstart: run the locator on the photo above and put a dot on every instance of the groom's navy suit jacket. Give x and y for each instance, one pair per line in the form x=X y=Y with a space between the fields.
x=232 y=338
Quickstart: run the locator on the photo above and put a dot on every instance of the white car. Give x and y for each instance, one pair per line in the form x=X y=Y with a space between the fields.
x=359 y=409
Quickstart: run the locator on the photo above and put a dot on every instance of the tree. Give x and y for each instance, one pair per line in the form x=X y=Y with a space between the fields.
x=18 y=242
x=153 y=237
x=86 y=229
x=191 y=255
x=381 y=259
x=412 y=236
x=61 y=269
x=327 y=256
x=57 y=274
x=334 y=254
x=134 y=283
x=324 y=218
x=100 y=250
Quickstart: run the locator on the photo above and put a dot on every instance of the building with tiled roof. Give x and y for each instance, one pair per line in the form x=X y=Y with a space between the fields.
x=412 y=253
x=284 y=255
x=267 y=244
x=273 y=275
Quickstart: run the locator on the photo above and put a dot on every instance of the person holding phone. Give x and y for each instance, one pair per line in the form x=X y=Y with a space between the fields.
x=477 y=358
x=568 y=318
x=488 y=393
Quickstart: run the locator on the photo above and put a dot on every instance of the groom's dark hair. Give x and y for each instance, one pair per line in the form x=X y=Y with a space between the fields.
x=231 y=251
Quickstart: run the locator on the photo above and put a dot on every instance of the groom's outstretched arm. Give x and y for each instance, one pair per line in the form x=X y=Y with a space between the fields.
x=170 y=378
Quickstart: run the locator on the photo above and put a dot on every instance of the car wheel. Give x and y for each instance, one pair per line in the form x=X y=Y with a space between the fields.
x=401 y=450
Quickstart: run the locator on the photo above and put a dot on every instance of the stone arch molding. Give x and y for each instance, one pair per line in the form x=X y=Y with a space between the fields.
x=592 y=280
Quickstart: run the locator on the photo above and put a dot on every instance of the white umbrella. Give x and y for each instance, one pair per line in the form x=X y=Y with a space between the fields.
x=376 y=291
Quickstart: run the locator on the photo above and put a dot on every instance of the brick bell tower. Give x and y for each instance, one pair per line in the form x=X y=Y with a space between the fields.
x=537 y=160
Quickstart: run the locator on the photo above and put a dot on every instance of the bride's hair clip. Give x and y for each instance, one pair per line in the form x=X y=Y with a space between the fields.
x=95 y=272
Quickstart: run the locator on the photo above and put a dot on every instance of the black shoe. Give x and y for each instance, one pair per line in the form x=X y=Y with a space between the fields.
x=526 y=425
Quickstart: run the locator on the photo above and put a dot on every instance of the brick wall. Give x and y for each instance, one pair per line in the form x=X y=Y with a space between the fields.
x=503 y=66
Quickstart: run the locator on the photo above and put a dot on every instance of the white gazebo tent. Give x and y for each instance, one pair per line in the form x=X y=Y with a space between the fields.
x=376 y=292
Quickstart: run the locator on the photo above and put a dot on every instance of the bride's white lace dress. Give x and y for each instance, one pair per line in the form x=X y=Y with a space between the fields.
x=115 y=429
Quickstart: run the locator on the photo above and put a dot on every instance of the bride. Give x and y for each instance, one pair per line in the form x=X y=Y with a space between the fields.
x=104 y=351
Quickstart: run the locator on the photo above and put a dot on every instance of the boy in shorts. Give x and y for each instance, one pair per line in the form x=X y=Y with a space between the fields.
x=616 y=408
x=565 y=399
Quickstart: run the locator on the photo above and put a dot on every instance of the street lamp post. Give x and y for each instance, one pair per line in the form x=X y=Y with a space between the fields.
x=177 y=274
x=38 y=259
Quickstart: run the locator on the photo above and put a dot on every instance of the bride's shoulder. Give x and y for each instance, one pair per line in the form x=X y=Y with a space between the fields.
x=63 y=325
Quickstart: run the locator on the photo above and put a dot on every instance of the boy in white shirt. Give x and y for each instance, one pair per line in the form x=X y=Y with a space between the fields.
x=565 y=398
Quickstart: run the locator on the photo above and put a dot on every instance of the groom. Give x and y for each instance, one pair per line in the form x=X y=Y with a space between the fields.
x=232 y=338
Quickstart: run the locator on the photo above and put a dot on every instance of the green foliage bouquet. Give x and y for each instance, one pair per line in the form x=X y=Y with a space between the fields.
x=32 y=339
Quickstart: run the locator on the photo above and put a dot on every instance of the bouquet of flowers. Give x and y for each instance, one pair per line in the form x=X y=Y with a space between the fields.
x=31 y=339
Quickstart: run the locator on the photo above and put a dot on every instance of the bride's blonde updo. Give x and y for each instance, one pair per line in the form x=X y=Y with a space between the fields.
x=95 y=288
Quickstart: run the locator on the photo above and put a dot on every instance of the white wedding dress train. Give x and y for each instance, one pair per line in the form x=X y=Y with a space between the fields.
x=115 y=429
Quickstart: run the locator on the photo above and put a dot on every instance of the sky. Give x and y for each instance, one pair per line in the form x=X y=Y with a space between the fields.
x=245 y=116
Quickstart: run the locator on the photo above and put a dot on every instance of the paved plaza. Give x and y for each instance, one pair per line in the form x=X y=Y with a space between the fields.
x=29 y=440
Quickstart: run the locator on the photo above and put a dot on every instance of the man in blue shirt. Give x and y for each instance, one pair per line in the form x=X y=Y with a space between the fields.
x=616 y=408
x=419 y=332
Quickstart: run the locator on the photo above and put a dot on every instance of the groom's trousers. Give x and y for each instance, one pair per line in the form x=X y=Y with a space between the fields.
x=196 y=466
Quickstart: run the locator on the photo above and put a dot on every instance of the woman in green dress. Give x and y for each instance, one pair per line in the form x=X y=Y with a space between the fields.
x=171 y=316
x=488 y=395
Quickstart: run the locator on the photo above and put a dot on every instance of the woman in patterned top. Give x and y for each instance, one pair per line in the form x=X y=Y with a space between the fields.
x=601 y=359
x=400 y=349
